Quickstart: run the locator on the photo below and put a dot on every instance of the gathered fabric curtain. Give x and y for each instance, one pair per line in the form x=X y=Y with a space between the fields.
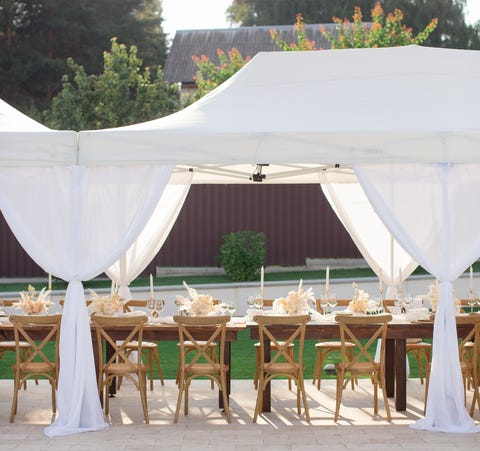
x=381 y=251
x=150 y=241
x=75 y=222
x=431 y=210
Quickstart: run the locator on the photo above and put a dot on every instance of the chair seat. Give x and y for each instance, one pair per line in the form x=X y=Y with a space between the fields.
x=34 y=367
x=333 y=344
x=119 y=368
x=145 y=344
x=281 y=368
x=358 y=367
x=204 y=368
x=272 y=346
x=189 y=344
x=11 y=344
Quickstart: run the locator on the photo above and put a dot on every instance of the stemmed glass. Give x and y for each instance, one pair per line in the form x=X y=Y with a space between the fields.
x=407 y=300
x=471 y=302
x=255 y=302
x=231 y=307
x=152 y=307
x=332 y=301
x=324 y=303
x=159 y=306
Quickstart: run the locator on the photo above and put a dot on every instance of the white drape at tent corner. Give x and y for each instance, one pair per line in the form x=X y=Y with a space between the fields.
x=75 y=222
x=374 y=241
x=431 y=209
x=149 y=242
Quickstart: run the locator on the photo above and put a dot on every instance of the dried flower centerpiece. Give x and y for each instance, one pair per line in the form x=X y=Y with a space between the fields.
x=197 y=305
x=296 y=302
x=33 y=306
x=359 y=302
x=433 y=295
x=105 y=305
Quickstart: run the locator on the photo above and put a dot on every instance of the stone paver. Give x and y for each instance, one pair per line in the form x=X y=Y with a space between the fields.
x=205 y=428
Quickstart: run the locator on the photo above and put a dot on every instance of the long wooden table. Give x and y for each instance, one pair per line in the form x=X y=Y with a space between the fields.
x=153 y=332
x=397 y=334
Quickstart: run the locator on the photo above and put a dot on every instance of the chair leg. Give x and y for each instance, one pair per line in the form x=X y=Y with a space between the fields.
x=301 y=383
x=181 y=383
x=338 y=394
x=16 y=387
x=257 y=368
x=385 y=398
x=142 y=385
x=317 y=372
x=259 y=403
x=156 y=357
x=54 y=400
x=223 y=387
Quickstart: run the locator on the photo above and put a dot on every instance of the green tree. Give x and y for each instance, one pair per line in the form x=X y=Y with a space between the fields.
x=209 y=75
x=123 y=94
x=451 y=31
x=37 y=37
x=384 y=31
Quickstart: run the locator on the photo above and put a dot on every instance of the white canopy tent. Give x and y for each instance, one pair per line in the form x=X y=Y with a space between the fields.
x=398 y=111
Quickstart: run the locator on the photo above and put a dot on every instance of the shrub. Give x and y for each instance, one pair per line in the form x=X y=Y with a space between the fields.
x=242 y=254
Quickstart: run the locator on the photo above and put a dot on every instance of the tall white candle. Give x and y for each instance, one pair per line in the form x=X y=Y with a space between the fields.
x=49 y=282
x=327 y=279
x=262 y=278
x=151 y=286
x=471 y=279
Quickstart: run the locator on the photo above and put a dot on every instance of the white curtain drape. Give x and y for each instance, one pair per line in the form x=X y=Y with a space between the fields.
x=147 y=245
x=382 y=252
x=431 y=210
x=75 y=222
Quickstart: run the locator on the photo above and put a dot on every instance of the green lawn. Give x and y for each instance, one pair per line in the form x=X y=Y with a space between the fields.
x=243 y=359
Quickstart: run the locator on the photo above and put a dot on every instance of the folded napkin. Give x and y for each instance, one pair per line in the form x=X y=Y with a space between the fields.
x=414 y=314
x=162 y=320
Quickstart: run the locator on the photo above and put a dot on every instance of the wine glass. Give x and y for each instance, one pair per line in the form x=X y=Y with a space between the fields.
x=324 y=303
x=151 y=307
x=379 y=304
x=251 y=302
x=332 y=301
x=159 y=306
x=231 y=307
x=407 y=300
x=471 y=302
x=258 y=302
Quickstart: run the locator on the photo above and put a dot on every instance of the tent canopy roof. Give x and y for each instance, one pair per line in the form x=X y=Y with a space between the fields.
x=299 y=112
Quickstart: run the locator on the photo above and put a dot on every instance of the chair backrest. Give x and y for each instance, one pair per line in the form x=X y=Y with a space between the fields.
x=347 y=334
x=267 y=325
x=128 y=328
x=387 y=303
x=193 y=329
x=87 y=302
x=48 y=326
x=132 y=303
x=9 y=302
x=472 y=336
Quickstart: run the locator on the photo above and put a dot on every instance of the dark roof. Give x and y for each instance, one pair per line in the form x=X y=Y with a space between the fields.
x=180 y=67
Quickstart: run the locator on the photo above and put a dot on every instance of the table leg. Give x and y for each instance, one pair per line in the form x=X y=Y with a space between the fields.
x=400 y=375
x=267 y=394
x=390 y=367
x=227 y=361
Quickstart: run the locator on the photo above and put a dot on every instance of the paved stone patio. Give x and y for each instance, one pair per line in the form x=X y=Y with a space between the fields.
x=205 y=428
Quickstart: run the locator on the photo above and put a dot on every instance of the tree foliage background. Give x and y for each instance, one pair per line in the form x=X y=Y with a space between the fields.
x=122 y=94
x=37 y=37
x=452 y=31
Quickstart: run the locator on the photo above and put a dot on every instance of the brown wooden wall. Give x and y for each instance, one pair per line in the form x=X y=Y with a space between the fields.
x=296 y=219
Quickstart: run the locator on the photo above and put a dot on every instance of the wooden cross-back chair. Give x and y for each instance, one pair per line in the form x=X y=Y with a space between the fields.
x=200 y=362
x=9 y=345
x=190 y=348
x=421 y=350
x=469 y=361
x=119 y=364
x=258 y=358
x=149 y=348
x=326 y=347
x=363 y=362
x=282 y=362
x=36 y=363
